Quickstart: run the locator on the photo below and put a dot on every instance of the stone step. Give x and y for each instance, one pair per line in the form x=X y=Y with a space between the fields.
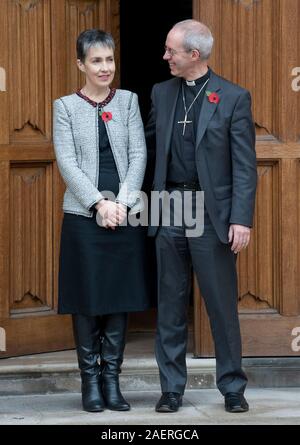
x=57 y=372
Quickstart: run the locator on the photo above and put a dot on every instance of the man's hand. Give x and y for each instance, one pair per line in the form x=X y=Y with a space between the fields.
x=239 y=236
x=112 y=213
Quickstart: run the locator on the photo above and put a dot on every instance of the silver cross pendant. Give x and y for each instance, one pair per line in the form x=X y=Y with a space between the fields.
x=184 y=124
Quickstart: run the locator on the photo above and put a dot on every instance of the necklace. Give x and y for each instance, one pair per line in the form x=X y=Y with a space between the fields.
x=186 y=111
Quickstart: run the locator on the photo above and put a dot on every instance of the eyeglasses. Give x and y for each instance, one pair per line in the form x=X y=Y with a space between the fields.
x=172 y=52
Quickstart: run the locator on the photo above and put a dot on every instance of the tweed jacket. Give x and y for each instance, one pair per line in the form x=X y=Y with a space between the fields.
x=76 y=145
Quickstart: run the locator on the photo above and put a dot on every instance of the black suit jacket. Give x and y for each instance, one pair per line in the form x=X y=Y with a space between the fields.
x=224 y=153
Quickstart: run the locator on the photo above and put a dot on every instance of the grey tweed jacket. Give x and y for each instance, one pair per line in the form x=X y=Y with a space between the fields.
x=76 y=145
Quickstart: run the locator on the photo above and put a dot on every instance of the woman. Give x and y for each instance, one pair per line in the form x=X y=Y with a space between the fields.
x=99 y=145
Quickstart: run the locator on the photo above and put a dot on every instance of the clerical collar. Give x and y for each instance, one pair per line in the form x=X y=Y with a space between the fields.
x=199 y=81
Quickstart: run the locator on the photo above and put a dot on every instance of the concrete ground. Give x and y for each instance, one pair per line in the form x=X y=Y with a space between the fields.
x=274 y=406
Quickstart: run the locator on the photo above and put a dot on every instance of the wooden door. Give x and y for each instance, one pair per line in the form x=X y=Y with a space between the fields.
x=257 y=44
x=38 y=64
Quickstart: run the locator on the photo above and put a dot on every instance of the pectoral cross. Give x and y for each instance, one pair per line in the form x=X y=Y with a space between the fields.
x=184 y=123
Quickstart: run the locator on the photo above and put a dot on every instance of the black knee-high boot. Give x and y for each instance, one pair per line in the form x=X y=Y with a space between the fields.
x=113 y=345
x=87 y=338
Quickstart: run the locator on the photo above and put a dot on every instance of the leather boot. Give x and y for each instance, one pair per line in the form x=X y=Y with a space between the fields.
x=86 y=331
x=113 y=345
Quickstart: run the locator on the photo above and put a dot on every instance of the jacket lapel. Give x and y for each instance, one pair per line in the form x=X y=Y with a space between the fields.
x=170 y=107
x=208 y=108
x=115 y=126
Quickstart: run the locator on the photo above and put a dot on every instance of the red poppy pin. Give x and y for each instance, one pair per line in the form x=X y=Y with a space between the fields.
x=106 y=116
x=213 y=97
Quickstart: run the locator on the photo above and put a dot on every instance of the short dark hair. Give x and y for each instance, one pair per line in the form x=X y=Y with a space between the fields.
x=93 y=37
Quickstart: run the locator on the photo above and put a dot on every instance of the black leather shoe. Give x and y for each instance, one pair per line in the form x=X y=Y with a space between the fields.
x=235 y=403
x=169 y=402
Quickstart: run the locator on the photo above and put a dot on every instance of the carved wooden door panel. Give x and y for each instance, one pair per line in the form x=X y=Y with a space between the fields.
x=37 y=60
x=257 y=45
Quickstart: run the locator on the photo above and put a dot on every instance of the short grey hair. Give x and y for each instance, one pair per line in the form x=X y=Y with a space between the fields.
x=90 y=38
x=197 y=36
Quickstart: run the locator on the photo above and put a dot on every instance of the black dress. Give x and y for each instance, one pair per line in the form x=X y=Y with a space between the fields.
x=102 y=271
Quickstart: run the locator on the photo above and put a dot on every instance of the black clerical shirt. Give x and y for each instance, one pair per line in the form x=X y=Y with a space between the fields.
x=182 y=163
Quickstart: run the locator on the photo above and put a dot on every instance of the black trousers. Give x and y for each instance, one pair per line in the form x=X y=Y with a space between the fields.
x=214 y=265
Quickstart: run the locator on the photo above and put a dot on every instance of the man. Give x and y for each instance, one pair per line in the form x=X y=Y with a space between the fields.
x=205 y=140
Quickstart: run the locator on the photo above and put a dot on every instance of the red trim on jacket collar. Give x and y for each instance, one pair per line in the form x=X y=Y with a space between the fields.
x=95 y=104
